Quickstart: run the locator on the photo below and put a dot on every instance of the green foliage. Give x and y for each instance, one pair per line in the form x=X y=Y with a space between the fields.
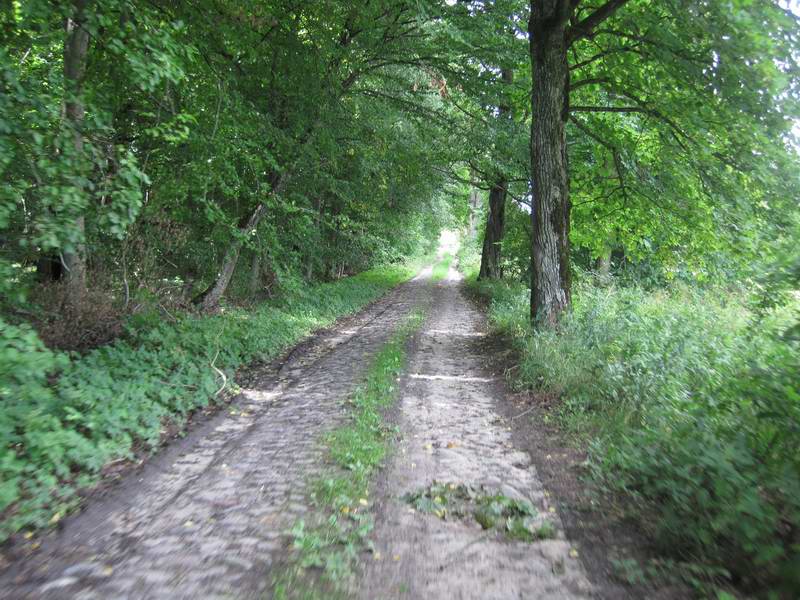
x=692 y=407
x=517 y=519
x=64 y=417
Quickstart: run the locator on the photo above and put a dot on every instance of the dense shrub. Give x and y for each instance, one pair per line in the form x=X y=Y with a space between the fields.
x=693 y=408
x=64 y=417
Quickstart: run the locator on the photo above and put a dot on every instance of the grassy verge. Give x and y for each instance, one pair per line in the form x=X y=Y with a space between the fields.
x=326 y=548
x=688 y=402
x=63 y=417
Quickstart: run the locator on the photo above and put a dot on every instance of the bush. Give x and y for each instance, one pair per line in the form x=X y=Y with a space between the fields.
x=693 y=408
x=64 y=417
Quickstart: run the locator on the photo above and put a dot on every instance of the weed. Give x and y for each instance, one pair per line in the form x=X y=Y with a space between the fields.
x=324 y=554
x=517 y=519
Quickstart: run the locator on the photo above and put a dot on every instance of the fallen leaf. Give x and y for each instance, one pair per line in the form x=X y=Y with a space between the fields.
x=573 y=553
x=363 y=501
x=452 y=445
x=396 y=557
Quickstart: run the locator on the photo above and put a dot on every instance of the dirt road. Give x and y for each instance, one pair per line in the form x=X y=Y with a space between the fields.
x=208 y=517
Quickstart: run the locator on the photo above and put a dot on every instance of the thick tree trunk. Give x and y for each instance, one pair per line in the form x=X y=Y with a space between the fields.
x=550 y=281
x=493 y=237
x=76 y=46
x=495 y=220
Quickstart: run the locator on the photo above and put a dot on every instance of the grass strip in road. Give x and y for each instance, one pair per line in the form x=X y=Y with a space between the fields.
x=441 y=268
x=326 y=546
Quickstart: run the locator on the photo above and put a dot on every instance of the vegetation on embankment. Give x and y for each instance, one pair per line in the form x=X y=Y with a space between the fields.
x=66 y=416
x=334 y=537
x=688 y=402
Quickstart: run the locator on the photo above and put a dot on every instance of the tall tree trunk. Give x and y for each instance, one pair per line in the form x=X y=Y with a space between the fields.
x=255 y=274
x=493 y=237
x=550 y=281
x=76 y=46
x=474 y=204
x=495 y=221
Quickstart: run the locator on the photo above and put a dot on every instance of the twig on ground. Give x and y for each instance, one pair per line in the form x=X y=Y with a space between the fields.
x=523 y=413
x=221 y=374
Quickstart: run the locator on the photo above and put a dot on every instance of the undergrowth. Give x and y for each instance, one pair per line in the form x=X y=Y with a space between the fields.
x=66 y=416
x=326 y=550
x=690 y=405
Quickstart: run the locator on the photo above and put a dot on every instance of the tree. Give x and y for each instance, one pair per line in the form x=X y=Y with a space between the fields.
x=495 y=219
x=658 y=85
x=76 y=46
x=552 y=30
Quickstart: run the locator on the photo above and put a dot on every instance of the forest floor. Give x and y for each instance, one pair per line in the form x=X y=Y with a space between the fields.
x=209 y=516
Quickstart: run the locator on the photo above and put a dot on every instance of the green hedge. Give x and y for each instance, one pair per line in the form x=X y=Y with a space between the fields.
x=63 y=417
x=692 y=407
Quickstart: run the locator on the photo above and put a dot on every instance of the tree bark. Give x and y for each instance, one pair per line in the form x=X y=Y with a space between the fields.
x=495 y=220
x=550 y=280
x=493 y=237
x=76 y=46
x=255 y=274
x=474 y=204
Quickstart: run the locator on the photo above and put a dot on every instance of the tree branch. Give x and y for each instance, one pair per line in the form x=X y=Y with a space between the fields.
x=585 y=27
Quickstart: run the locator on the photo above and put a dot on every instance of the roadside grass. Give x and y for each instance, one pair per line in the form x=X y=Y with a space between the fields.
x=64 y=416
x=687 y=400
x=325 y=547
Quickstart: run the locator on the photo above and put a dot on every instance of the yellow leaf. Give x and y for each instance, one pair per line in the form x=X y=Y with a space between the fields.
x=363 y=501
x=573 y=553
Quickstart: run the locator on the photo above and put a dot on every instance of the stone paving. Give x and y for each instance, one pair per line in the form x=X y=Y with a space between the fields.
x=207 y=518
x=451 y=432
